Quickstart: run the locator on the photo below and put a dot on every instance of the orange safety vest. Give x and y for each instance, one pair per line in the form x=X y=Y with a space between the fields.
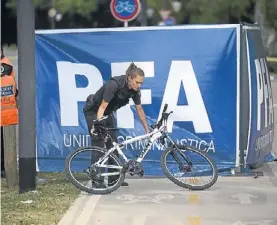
x=9 y=109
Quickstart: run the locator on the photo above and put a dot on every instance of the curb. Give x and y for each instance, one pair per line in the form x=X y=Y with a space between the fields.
x=80 y=211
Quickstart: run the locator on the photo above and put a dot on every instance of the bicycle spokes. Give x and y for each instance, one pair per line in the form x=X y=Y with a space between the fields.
x=85 y=172
x=189 y=167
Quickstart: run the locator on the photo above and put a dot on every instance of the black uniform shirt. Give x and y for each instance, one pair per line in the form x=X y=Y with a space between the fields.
x=117 y=93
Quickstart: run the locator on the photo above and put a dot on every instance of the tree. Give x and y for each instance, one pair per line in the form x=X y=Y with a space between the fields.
x=84 y=7
x=208 y=11
x=192 y=11
x=270 y=11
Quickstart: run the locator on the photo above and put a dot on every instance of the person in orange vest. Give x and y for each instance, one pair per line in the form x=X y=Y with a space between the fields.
x=9 y=92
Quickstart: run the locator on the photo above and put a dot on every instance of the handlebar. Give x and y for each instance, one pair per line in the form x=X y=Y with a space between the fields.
x=163 y=118
x=98 y=126
x=165 y=108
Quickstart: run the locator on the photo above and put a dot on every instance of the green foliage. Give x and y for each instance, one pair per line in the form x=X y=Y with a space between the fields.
x=80 y=6
x=206 y=11
x=199 y=11
x=270 y=11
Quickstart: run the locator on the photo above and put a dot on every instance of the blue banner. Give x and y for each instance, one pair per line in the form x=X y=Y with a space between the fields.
x=261 y=111
x=191 y=68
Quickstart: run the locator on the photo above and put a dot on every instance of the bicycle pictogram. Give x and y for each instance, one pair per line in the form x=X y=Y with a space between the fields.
x=124 y=6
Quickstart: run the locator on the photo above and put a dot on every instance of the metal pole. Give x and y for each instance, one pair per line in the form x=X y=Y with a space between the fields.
x=143 y=12
x=166 y=5
x=52 y=22
x=26 y=87
x=125 y=24
x=53 y=19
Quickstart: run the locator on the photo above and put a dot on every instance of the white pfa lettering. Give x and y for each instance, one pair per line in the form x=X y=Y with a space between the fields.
x=70 y=95
x=265 y=86
x=181 y=72
x=264 y=92
x=269 y=91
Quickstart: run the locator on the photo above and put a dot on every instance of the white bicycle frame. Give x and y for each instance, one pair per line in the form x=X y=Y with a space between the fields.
x=153 y=136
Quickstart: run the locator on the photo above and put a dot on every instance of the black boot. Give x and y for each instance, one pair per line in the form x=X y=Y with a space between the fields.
x=125 y=184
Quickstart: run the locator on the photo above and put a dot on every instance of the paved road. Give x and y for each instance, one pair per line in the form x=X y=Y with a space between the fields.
x=232 y=201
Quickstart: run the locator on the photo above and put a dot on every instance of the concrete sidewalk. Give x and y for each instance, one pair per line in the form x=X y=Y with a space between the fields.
x=231 y=201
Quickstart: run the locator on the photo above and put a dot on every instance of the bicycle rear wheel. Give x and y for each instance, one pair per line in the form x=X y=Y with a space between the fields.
x=89 y=178
x=185 y=174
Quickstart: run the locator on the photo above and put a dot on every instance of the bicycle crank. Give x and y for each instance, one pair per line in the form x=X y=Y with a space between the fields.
x=134 y=168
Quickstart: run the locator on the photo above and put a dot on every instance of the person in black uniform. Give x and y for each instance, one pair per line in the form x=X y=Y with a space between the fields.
x=114 y=94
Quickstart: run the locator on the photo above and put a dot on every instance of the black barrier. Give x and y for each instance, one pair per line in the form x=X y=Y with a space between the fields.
x=244 y=97
x=256 y=104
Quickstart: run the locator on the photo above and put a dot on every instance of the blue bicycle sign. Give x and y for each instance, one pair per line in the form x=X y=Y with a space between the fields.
x=125 y=10
x=124 y=6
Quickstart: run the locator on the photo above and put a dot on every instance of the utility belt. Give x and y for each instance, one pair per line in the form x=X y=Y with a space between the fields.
x=90 y=104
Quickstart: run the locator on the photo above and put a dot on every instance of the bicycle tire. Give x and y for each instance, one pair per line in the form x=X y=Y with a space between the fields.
x=87 y=189
x=181 y=184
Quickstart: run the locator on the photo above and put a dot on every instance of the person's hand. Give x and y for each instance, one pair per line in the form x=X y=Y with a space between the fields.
x=98 y=123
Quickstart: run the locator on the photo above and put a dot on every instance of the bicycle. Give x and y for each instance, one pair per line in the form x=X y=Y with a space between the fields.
x=134 y=167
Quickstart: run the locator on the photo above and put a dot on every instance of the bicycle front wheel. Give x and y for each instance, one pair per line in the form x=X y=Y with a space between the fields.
x=86 y=176
x=189 y=167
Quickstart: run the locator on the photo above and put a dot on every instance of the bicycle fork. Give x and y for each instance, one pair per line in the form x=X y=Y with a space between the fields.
x=174 y=148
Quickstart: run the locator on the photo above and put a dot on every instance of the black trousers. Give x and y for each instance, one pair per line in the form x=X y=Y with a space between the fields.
x=99 y=142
